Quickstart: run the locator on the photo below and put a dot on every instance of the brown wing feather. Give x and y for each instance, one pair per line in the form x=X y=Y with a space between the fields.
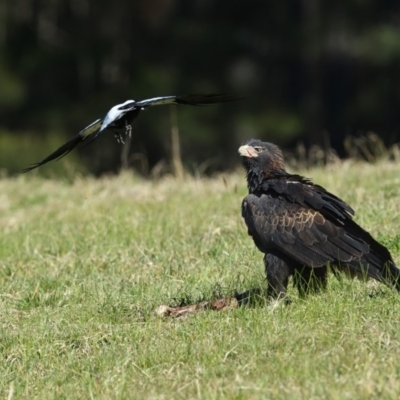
x=300 y=233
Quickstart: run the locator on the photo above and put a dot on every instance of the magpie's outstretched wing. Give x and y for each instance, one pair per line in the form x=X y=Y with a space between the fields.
x=196 y=99
x=70 y=145
x=126 y=109
x=122 y=115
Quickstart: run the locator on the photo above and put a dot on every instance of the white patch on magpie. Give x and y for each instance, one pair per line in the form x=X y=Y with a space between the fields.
x=116 y=113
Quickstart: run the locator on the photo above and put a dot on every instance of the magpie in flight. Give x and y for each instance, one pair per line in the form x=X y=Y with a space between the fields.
x=121 y=117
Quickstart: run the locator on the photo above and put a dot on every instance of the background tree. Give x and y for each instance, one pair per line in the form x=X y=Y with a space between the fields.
x=310 y=70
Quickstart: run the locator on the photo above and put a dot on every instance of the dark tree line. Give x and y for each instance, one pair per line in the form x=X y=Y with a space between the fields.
x=308 y=69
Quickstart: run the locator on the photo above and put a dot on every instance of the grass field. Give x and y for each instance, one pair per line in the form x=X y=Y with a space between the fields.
x=84 y=265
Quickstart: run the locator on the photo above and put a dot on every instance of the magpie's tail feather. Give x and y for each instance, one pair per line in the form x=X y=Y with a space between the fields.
x=59 y=153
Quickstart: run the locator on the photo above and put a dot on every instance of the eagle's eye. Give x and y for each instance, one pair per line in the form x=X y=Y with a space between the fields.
x=258 y=148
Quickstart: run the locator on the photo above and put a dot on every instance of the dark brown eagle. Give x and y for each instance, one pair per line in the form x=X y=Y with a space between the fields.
x=301 y=227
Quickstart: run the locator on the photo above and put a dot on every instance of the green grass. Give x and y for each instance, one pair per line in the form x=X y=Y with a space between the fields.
x=83 y=266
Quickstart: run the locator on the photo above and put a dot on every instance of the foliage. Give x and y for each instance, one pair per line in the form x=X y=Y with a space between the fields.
x=18 y=151
x=304 y=67
x=83 y=265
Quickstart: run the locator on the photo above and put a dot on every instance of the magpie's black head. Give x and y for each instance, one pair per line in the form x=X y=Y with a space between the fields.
x=261 y=160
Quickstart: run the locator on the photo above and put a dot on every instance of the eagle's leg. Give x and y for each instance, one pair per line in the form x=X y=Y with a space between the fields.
x=310 y=279
x=278 y=273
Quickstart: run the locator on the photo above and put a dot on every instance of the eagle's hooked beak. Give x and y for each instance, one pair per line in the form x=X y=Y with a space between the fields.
x=247 y=151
